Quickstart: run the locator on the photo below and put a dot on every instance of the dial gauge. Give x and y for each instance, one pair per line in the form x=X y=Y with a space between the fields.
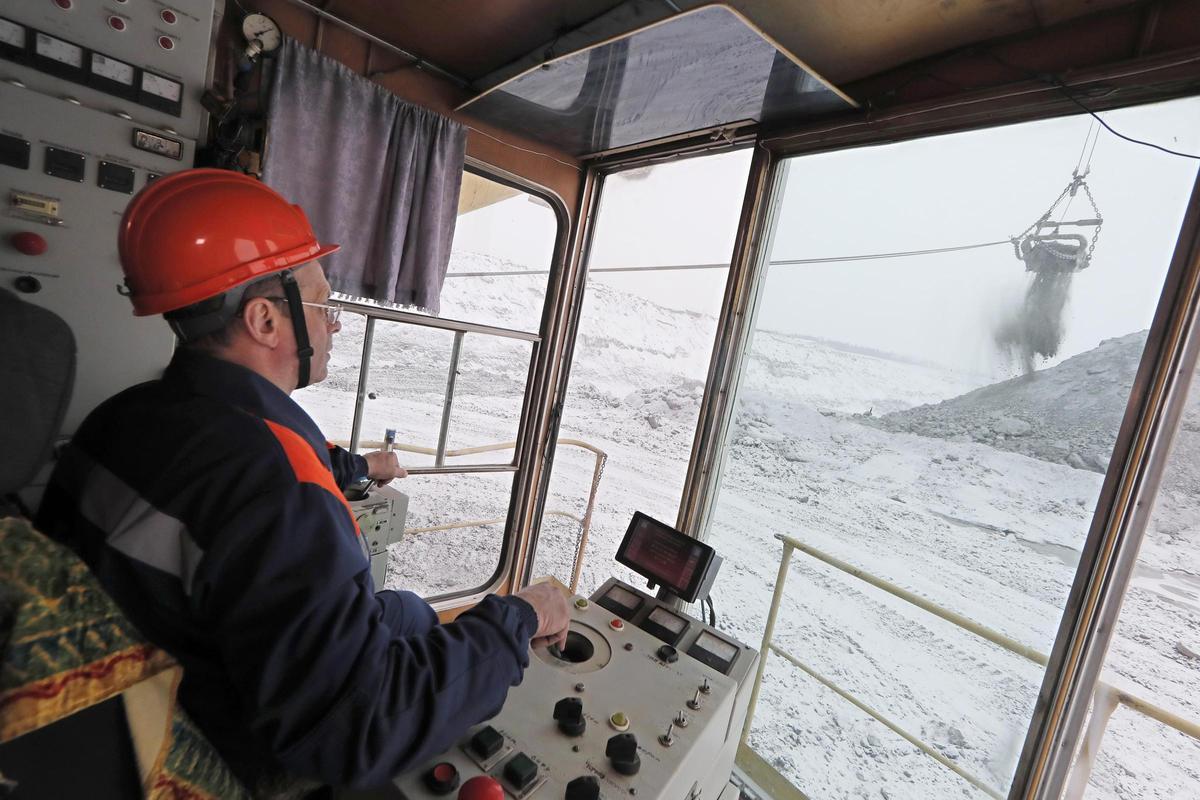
x=162 y=87
x=60 y=51
x=261 y=29
x=112 y=69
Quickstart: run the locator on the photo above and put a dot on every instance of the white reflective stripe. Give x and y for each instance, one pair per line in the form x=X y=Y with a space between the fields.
x=139 y=530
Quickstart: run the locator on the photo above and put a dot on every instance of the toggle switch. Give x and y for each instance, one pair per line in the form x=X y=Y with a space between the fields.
x=569 y=714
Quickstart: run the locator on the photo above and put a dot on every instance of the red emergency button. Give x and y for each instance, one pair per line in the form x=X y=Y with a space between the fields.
x=116 y=23
x=168 y=16
x=29 y=243
x=616 y=625
x=166 y=43
x=481 y=788
x=65 y=5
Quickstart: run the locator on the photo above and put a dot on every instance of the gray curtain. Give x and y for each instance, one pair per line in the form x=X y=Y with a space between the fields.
x=375 y=174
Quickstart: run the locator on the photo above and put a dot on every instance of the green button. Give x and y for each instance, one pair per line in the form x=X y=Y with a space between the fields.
x=582 y=603
x=619 y=721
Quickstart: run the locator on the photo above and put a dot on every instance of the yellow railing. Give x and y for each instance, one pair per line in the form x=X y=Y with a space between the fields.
x=1107 y=697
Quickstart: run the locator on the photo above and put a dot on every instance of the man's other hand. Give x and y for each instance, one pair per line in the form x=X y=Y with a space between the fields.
x=383 y=467
x=553 y=613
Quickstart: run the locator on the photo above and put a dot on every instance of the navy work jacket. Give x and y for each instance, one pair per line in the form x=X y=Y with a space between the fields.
x=208 y=505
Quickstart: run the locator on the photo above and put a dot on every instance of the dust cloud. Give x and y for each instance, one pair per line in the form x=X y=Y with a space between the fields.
x=1034 y=330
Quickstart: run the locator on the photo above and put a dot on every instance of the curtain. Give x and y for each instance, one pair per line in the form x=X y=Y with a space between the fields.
x=375 y=174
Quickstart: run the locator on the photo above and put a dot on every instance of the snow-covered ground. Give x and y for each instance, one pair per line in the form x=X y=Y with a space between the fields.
x=973 y=494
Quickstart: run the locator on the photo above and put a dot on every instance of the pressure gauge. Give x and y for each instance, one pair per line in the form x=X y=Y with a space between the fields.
x=60 y=51
x=12 y=34
x=261 y=33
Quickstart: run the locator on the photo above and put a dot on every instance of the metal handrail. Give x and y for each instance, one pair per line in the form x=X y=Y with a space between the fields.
x=1108 y=697
x=585 y=522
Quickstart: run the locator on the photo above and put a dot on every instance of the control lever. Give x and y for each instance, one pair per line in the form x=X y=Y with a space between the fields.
x=622 y=752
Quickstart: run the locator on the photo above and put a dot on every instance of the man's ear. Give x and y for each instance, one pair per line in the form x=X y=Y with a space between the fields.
x=260 y=322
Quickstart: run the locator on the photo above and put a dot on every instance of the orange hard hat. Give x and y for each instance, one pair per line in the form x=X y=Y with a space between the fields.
x=198 y=233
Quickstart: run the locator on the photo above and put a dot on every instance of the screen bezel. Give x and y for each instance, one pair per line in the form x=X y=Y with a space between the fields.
x=687 y=592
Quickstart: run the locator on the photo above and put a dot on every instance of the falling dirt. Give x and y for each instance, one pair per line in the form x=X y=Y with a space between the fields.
x=1034 y=330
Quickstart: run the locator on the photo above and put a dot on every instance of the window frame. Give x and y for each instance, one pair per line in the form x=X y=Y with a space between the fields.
x=525 y=451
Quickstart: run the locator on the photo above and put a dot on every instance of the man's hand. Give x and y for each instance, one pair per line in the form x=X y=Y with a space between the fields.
x=553 y=613
x=383 y=467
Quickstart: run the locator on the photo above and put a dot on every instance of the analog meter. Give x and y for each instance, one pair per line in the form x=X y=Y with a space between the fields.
x=262 y=35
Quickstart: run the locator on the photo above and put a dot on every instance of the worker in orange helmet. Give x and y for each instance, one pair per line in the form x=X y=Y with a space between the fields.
x=209 y=506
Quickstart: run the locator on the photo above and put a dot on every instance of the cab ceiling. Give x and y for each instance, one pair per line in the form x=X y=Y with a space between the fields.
x=843 y=40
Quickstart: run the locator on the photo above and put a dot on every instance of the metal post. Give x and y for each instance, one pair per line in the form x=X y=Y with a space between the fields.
x=363 y=368
x=440 y=458
x=767 y=634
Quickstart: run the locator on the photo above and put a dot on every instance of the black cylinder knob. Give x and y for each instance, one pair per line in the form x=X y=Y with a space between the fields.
x=622 y=752
x=569 y=714
x=585 y=787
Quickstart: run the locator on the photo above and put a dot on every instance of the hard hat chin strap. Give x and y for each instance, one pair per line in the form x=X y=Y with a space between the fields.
x=304 y=350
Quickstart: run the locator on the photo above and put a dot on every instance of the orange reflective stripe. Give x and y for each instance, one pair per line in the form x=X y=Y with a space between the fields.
x=308 y=466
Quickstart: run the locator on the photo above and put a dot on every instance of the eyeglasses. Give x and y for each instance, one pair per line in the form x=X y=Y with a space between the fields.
x=332 y=313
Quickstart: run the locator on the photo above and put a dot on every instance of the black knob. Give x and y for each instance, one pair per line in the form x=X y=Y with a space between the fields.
x=585 y=787
x=521 y=771
x=27 y=284
x=442 y=778
x=569 y=713
x=487 y=742
x=668 y=654
x=622 y=752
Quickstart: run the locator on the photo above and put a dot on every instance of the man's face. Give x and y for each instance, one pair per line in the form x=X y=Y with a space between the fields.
x=315 y=289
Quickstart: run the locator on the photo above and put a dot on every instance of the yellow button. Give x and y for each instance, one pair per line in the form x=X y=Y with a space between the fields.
x=581 y=603
x=619 y=721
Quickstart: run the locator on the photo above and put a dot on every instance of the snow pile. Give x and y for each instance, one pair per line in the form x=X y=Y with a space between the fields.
x=1068 y=414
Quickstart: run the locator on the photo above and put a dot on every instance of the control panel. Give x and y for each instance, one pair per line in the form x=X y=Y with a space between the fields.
x=145 y=59
x=646 y=703
x=94 y=109
x=380 y=514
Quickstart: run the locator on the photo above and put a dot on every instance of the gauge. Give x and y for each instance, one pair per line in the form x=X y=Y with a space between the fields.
x=60 y=51
x=620 y=601
x=113 y=70
x=159 y=86
x=665 y=625
x=12 y=34
x=714 y=651
x=261 y=29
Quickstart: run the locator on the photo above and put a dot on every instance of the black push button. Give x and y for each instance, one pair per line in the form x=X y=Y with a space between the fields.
x=14 y=152
x=668 y=654
x=487 y=742
x=585 y=787
x=64 y=164
x=520 y=771
x=115 y=177
x=442 y=779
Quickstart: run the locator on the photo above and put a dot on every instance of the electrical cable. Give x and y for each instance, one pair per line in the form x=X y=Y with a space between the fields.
x=712 y=612
x=1058 y=83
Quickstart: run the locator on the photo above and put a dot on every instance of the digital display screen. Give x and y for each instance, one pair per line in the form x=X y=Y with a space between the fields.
x=60 y=51
x=162 y=87
x=113 y=70
x=717 y=647
x=674 y=624
x=665 y=555
x=12 y=34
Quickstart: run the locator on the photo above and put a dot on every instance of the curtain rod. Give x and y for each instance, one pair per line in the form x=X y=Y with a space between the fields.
x=418 y=62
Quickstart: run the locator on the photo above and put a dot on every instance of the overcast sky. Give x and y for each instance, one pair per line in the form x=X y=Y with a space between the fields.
x=944 y=191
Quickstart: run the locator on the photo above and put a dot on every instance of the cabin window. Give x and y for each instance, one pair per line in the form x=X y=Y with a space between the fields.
x=657 y=269
x=926 y=402
x=451 y=387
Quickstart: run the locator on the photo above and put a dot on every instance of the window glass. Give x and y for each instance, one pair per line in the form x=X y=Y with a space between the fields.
x=941 y=421
x=499 y=268
x=641 y=356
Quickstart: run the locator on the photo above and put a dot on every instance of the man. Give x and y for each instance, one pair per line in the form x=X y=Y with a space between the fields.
x=208 y=505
